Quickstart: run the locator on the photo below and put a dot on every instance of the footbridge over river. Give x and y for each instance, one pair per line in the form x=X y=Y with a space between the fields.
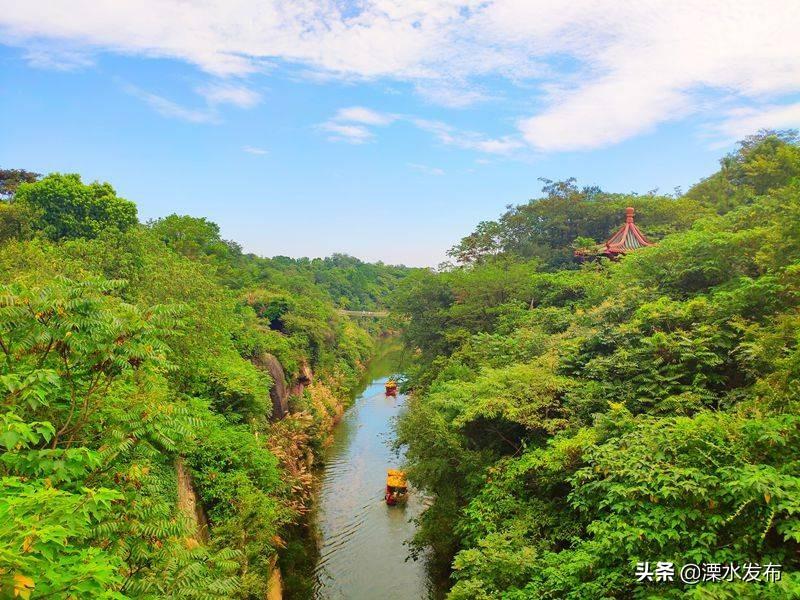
x=364 y=313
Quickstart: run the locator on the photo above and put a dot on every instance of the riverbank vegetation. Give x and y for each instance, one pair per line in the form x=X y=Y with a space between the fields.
x=572 y=420
x=141 y=456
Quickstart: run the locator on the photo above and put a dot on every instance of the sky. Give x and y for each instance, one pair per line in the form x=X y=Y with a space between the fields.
x=386 y=129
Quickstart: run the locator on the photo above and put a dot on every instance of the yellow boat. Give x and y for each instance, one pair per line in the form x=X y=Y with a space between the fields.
x=391 y=388
x=396 y=487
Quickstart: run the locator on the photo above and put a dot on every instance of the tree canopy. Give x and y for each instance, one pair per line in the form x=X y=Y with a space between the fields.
x=65 y=207
x=572 y=421
x=134 y=373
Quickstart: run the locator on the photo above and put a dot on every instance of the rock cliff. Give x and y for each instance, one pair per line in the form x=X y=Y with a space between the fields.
x=278 y=393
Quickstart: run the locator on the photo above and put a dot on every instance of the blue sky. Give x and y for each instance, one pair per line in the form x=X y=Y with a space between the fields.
x=383 y=129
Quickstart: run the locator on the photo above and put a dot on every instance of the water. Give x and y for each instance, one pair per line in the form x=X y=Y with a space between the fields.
x=362 y=550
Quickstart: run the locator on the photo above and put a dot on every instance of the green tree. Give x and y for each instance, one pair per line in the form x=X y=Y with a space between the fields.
x=193 y=237
x=67 y=208
x=546 y=228
x=766 y=160
x=10 y=180
x=573 y=422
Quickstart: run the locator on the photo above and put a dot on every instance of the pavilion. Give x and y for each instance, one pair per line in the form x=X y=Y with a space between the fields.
x=627 y=238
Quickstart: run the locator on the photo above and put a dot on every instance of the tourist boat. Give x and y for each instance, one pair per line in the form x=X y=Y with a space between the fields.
x=391 y=388
x=396 y=487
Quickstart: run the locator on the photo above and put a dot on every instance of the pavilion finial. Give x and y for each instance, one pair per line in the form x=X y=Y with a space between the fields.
x=629 y=212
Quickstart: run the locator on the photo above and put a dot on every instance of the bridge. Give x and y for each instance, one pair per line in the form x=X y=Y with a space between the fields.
x=364 y=313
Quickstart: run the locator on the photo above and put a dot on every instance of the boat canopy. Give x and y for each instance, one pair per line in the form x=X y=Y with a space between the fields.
x=395 y=478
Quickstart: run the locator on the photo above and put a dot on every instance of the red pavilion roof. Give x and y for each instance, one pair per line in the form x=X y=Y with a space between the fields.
x=627 y=238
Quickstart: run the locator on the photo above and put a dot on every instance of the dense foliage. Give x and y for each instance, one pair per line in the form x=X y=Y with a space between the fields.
x=131 y=377
x=571 y=421
x=350 y=283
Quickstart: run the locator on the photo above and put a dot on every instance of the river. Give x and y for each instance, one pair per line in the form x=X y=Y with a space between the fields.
x=361 y=540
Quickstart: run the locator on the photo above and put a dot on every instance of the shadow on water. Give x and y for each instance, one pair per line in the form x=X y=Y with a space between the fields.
x=361 y=550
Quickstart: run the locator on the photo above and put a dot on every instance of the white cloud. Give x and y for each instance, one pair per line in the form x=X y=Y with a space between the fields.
x=575 y=121
x=452 y=96
x=468 y=140
x=168 y=108
x=596 y=71
x=343 y=132
x=255 y=150
x=214 y=95
x=352 y=125
x=57 y=59
x=740 y=122
x=503 y=145
x=366 y=116
x=426 y=169
x=225 y=93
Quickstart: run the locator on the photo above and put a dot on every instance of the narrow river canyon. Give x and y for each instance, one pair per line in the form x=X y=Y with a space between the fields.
x=362 y=541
